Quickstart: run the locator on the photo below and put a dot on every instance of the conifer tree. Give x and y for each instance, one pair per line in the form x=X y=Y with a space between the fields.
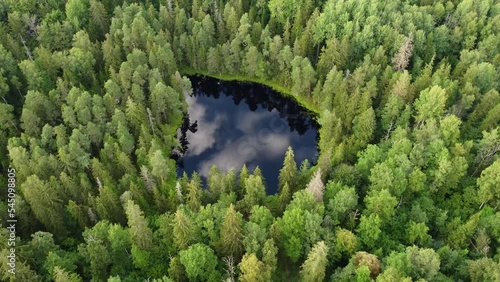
x=269 y=258
x=288 y=174
x=159 y=166
x=61 y=275
x=176 y=270
x=194 y=192
x=214 y=182
x=255 y=192
x=229 y=182
x=241 y=180
x=140 y=233
x=284 y=197
x=183 y=230
x=231 y=234
x=316 y=186
x=313 y=269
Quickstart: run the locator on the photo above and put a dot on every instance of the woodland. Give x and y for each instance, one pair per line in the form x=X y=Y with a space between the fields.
x=406 y=186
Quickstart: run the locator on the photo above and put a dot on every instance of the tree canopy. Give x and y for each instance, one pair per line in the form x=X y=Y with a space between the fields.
x=406 y=185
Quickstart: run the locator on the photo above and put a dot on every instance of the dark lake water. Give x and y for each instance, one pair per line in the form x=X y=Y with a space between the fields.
x=232 y=123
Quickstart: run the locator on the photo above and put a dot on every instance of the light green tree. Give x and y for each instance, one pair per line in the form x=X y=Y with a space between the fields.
x=288 y=174
x=231 y=234
x=251 y=269
x=140 y=233
x=200 y=263
x=184 y=229
x=314 y=268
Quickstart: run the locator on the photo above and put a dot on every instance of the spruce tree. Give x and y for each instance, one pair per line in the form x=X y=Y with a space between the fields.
x=284 y=197
x=270 y=259
x=241 y=180
x=288 y=174
x=214 y=183
x=140 y=233
x=313 y=269
x=231 y=234
x=194 y=192
x=184 y=230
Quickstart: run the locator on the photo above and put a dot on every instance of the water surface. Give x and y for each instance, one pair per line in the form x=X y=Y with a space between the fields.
x=232 y=123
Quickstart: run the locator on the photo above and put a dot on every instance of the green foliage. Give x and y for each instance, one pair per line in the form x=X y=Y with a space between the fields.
x=292 y=236
x=140 y=233
x=251 y=269
x=488 y=184
x=314 y=267
x=288 y=174
x=406 y=95
x=231 y=234
x=255 y=192
x=200 y=263
x=183 y=230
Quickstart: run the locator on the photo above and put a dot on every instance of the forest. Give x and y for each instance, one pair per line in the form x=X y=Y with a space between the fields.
x=406 y=186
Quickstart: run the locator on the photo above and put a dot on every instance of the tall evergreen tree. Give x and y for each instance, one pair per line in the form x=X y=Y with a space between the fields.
x=183 y=229
x=231 y=234
x=313 y=269
x=140 y=233
x=288 y=174
x=194 y=192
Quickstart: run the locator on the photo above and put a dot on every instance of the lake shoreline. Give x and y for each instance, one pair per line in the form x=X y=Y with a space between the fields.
x=235 y=123
x=243 y=78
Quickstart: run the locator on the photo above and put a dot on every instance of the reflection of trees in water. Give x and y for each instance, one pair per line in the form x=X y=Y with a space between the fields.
x=256 y=95
x=177 y=153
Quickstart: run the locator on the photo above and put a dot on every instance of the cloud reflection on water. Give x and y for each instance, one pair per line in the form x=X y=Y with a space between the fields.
x=236 y=126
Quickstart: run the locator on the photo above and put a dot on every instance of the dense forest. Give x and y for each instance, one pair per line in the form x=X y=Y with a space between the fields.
x=406 y=186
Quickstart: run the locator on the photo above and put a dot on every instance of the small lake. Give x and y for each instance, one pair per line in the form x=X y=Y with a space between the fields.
x=233 y=123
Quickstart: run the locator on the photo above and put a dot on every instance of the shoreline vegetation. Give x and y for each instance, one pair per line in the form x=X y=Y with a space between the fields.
x=286 y=92
x=406 y=185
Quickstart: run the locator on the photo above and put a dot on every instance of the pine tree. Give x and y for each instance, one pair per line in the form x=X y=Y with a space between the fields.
x=214 y=183
x=255 y=192
x=229 y=182
x=242 y=177
x=61 y=275
x=176 y=270
x=285 y=196
x=269 y=258
x=231 y=234
x=313 y=269
x=183 y=229
x=140 y=233
x=194 y=192
x=288 y=174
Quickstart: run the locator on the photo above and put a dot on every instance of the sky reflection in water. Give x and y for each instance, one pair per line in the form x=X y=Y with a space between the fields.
x=230 y=124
